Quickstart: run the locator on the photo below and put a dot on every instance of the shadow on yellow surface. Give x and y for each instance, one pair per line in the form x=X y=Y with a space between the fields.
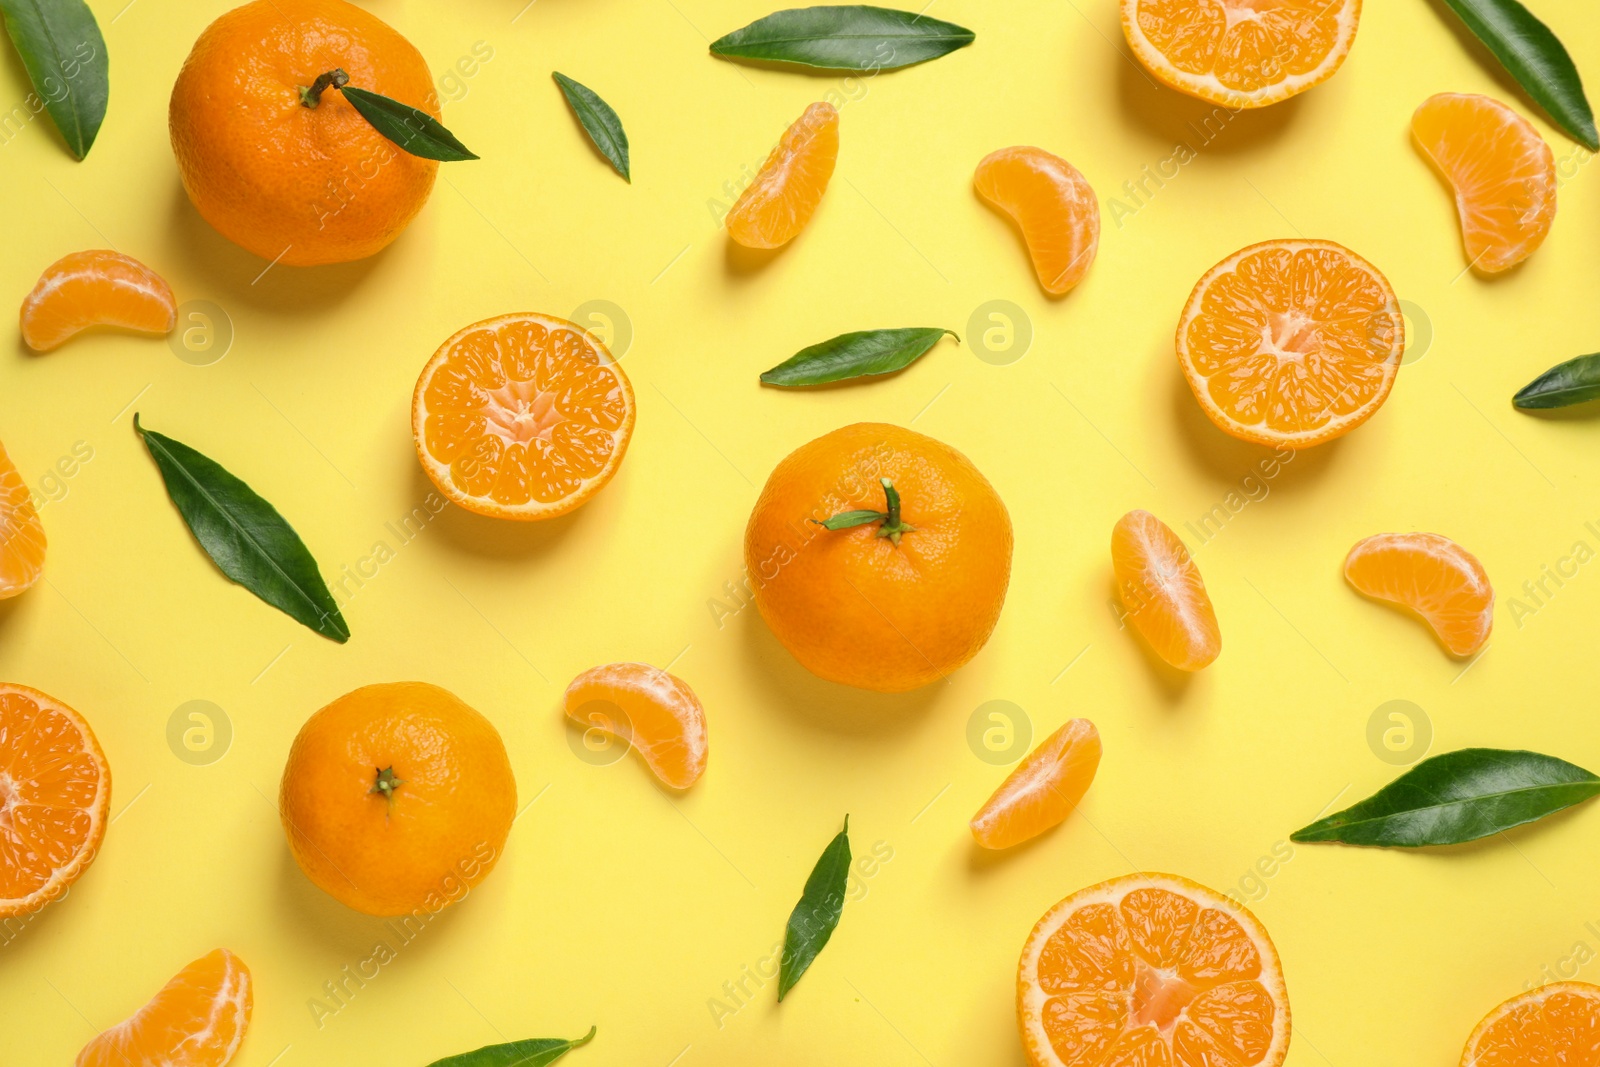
x=1173 y=118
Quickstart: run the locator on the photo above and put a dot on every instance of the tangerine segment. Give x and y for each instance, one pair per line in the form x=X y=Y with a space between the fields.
x=1162 y=591
x=1503 y=174
x=775 y=207
x=1554 y=1024
x=1147 y=970
x=1241 y=53
x=55 y=793
x=1052 y=204
x=1434 y=577
x=21 y=533
x=95 y=288
x=1044 y=788
x=524 y=416
x=197 y=1020
x=1291 y=343
x=648 y=709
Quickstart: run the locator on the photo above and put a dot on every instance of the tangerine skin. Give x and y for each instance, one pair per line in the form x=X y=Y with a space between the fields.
x=443 y=829
x=854 y=607
x=298 y=185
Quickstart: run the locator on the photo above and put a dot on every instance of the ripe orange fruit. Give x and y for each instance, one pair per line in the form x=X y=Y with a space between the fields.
x=644 y=707
x=55 y=798
x=397 y=798
x=1502 y=172
x=1151 y=969
x=1162 y=591
x=911 y=588
x=1291 y=343
x=1554 y=1024
x=22 y=541
x=95 y=288
x=1434 y=577
x=1241 y=55
x=775 y=207
x=294 y=183
x=1044 y=788
x=1053 y=206
x=524 y=416
x=198 y=1019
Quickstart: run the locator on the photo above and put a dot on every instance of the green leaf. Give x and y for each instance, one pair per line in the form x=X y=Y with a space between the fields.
x=414 y=131
x=66 y=60
x=1572 y=382
x=813 y=920
x=1459 y=796
x=846 y=519
x=244 y=535
x=1532 y=54
x=852 y=355
x=534 y=1052
x=599 y=122
x=849 y=37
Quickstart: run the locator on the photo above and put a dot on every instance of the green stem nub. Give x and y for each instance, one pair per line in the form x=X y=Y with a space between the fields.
x=386 y=783
x=311 y=95
x=893 y=525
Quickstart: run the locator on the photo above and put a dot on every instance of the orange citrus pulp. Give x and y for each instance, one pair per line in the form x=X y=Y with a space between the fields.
x=1553 y=1024
x=22 y=543
x=1044 y=788
x=1434 y=577
x=198 y=1019
x=655 y=713
x=1162 y=591
x=776 y=206
x=1052 y=204
x=95 y=288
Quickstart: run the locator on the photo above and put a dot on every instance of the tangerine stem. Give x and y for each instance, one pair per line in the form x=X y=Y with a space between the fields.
x=311 y=95
x=893 y=526
x=386 y=783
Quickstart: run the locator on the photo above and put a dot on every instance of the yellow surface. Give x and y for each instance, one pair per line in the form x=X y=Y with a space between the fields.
x=618 y=906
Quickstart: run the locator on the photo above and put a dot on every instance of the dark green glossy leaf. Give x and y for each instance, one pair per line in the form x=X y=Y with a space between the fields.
x=814 y=919
x=414 y=131
x=66 y=60
x=598 y=120
x=1532 y=54
x=853 y=355
x=846 y=519
x=534 y=1052
x=848 y=37
x=1572 y=382
x=244 y=535
x=1459 y=796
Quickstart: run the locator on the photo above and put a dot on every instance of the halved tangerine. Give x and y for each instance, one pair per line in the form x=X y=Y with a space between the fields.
x=776 y=206
x=1044 y=788
x=1052 y=204
x=1162 y=591
x=22 y=541
x=1434 y=577
x=648 y=709
x=96 y=288
x=1554 y=1024
x=198 y=1019
x=524 y=416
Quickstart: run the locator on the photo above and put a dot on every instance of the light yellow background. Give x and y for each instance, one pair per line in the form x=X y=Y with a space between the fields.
x=620 y=906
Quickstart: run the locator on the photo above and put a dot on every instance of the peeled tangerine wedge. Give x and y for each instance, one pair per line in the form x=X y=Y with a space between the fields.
x=1044 y=788
x=21 y=533
x=1502 y=171
x=648 y=709
x=775 y=207
x=1553 y=1024
x=97 y=288
x=1151 y=970
x=1053 y=206
x=197 y=1020
x=1162 y=591
x=1434 y=577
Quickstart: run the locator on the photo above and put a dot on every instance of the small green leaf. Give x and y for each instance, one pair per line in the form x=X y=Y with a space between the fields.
x=853 y=355
x=814 y=918
x=534 y=1052
x=846 y=519
x=1572 y=382
x=244 y=535
x=1459 y=796
x=1532 y=54
x=414 y=131
x=599 y=122
x=65 y=56
x=848 y=37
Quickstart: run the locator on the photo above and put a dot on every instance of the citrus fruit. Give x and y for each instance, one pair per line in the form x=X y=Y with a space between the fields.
x=55 y=798
x=1044 y=788
x=95 y=288
x=22 y=541
x=524 y=416
x=1148 y=970
x=776 y=206
x=1553 y=1024
x=1502 y=172
x=899 y=593
x=397 y=798
x=1162 y=591
x=1052 y=205
x=299 y=179
x=1291 y=343
x=648 y=709
x=1241 y=53
x=198 y=1019
x=1434 y=577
